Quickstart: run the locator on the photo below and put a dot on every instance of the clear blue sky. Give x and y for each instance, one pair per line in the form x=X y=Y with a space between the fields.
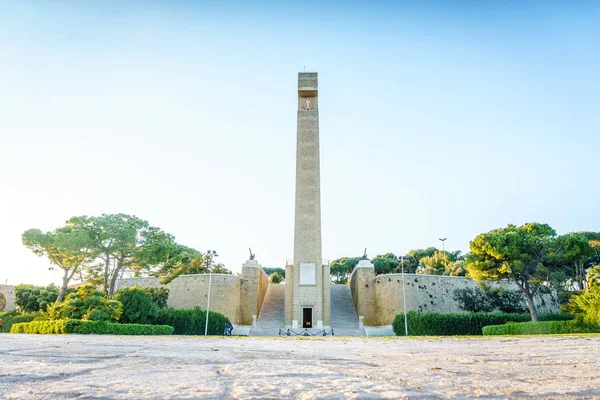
x=438 y=119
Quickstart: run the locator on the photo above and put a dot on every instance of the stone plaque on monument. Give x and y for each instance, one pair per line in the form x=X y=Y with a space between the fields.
x=308 y=274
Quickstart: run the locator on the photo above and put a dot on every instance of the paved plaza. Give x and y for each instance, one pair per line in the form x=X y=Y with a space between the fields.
x=106 y=367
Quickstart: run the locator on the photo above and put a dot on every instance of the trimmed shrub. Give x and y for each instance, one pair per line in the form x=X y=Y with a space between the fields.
x=192 y=321
x=13 y=317
x=138 y=306
x=44 y=327
x=88 y=304
x=540 y=328
x=438 y=324
x=89 y=327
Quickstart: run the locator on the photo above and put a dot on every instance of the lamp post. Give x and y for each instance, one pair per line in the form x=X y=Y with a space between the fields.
x=210 y=254
x=404 y=298
x=443 y=240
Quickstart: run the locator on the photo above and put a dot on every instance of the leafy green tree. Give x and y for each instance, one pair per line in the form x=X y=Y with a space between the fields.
x=505 y=300
x=88 y=304
x=270 y=270
x=341 y=268
x=578 y=255
x=275 y=277
x=219 y=268
x=593 y=277
x=385 y=264
x=424 y=261
x=30 y=299
x=420 y=253
x=139 y=306
x=66 y=248
x=441 y=263
x=434 y=264
x=456 y=268
x=338 y=273
x=523 y=254
x=410 y=264
x=123 y=243
x=183 y=260
x=160 y=295
x=586 y=306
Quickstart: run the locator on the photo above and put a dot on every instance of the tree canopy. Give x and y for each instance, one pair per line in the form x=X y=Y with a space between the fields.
x=528 y=255
x=421 y=261
x=101 y=249
x=341 y=268
x=68 y=249
x=123 y=243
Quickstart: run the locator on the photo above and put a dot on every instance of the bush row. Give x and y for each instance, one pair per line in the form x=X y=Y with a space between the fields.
x=438 y=324
x=539 y=328
x=13 y=317
x=192 y=321
x=89 y=327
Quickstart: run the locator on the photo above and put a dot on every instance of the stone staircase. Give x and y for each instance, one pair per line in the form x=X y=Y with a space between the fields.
x=271 y=317
x=343 y=315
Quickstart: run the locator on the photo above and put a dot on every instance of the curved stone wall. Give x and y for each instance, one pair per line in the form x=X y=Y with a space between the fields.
x=189 y=291
x=380 y=298
x=238 y=298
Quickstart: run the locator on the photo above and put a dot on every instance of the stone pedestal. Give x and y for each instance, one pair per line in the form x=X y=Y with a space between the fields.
x=252 y=294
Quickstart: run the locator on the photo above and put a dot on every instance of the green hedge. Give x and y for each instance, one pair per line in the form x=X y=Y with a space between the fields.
x=90 y=327
x=13 y=317
x=539 y=328
x=192 y=321
x=438 y=324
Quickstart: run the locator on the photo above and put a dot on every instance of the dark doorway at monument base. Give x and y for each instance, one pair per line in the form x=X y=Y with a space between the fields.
x=307 y=317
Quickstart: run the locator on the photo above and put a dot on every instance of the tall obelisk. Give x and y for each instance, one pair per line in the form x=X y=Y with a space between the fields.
x=307 y=296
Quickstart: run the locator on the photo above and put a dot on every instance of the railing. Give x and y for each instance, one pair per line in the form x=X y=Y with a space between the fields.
x=305 y=332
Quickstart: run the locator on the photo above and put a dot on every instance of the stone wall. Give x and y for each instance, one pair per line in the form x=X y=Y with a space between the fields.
x=189 y=291
x=253 y=290
x=363 y=292
x=236 y=298
x=7 y=298
x=380 y=298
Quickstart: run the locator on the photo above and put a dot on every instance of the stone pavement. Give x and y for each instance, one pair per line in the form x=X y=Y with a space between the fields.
x=121 y=367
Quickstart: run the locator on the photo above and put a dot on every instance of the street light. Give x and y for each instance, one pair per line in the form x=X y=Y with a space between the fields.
x=211 y=254
x=404 y=296
x=444 y=249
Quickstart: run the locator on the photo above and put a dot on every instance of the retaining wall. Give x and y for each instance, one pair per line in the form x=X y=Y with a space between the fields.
x=380 y=298
x=238 y=298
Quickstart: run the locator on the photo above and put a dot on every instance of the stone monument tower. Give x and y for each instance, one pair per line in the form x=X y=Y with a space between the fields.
x=307 y=289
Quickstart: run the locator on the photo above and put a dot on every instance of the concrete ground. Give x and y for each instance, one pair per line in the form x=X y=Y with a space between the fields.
x=107 y=367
